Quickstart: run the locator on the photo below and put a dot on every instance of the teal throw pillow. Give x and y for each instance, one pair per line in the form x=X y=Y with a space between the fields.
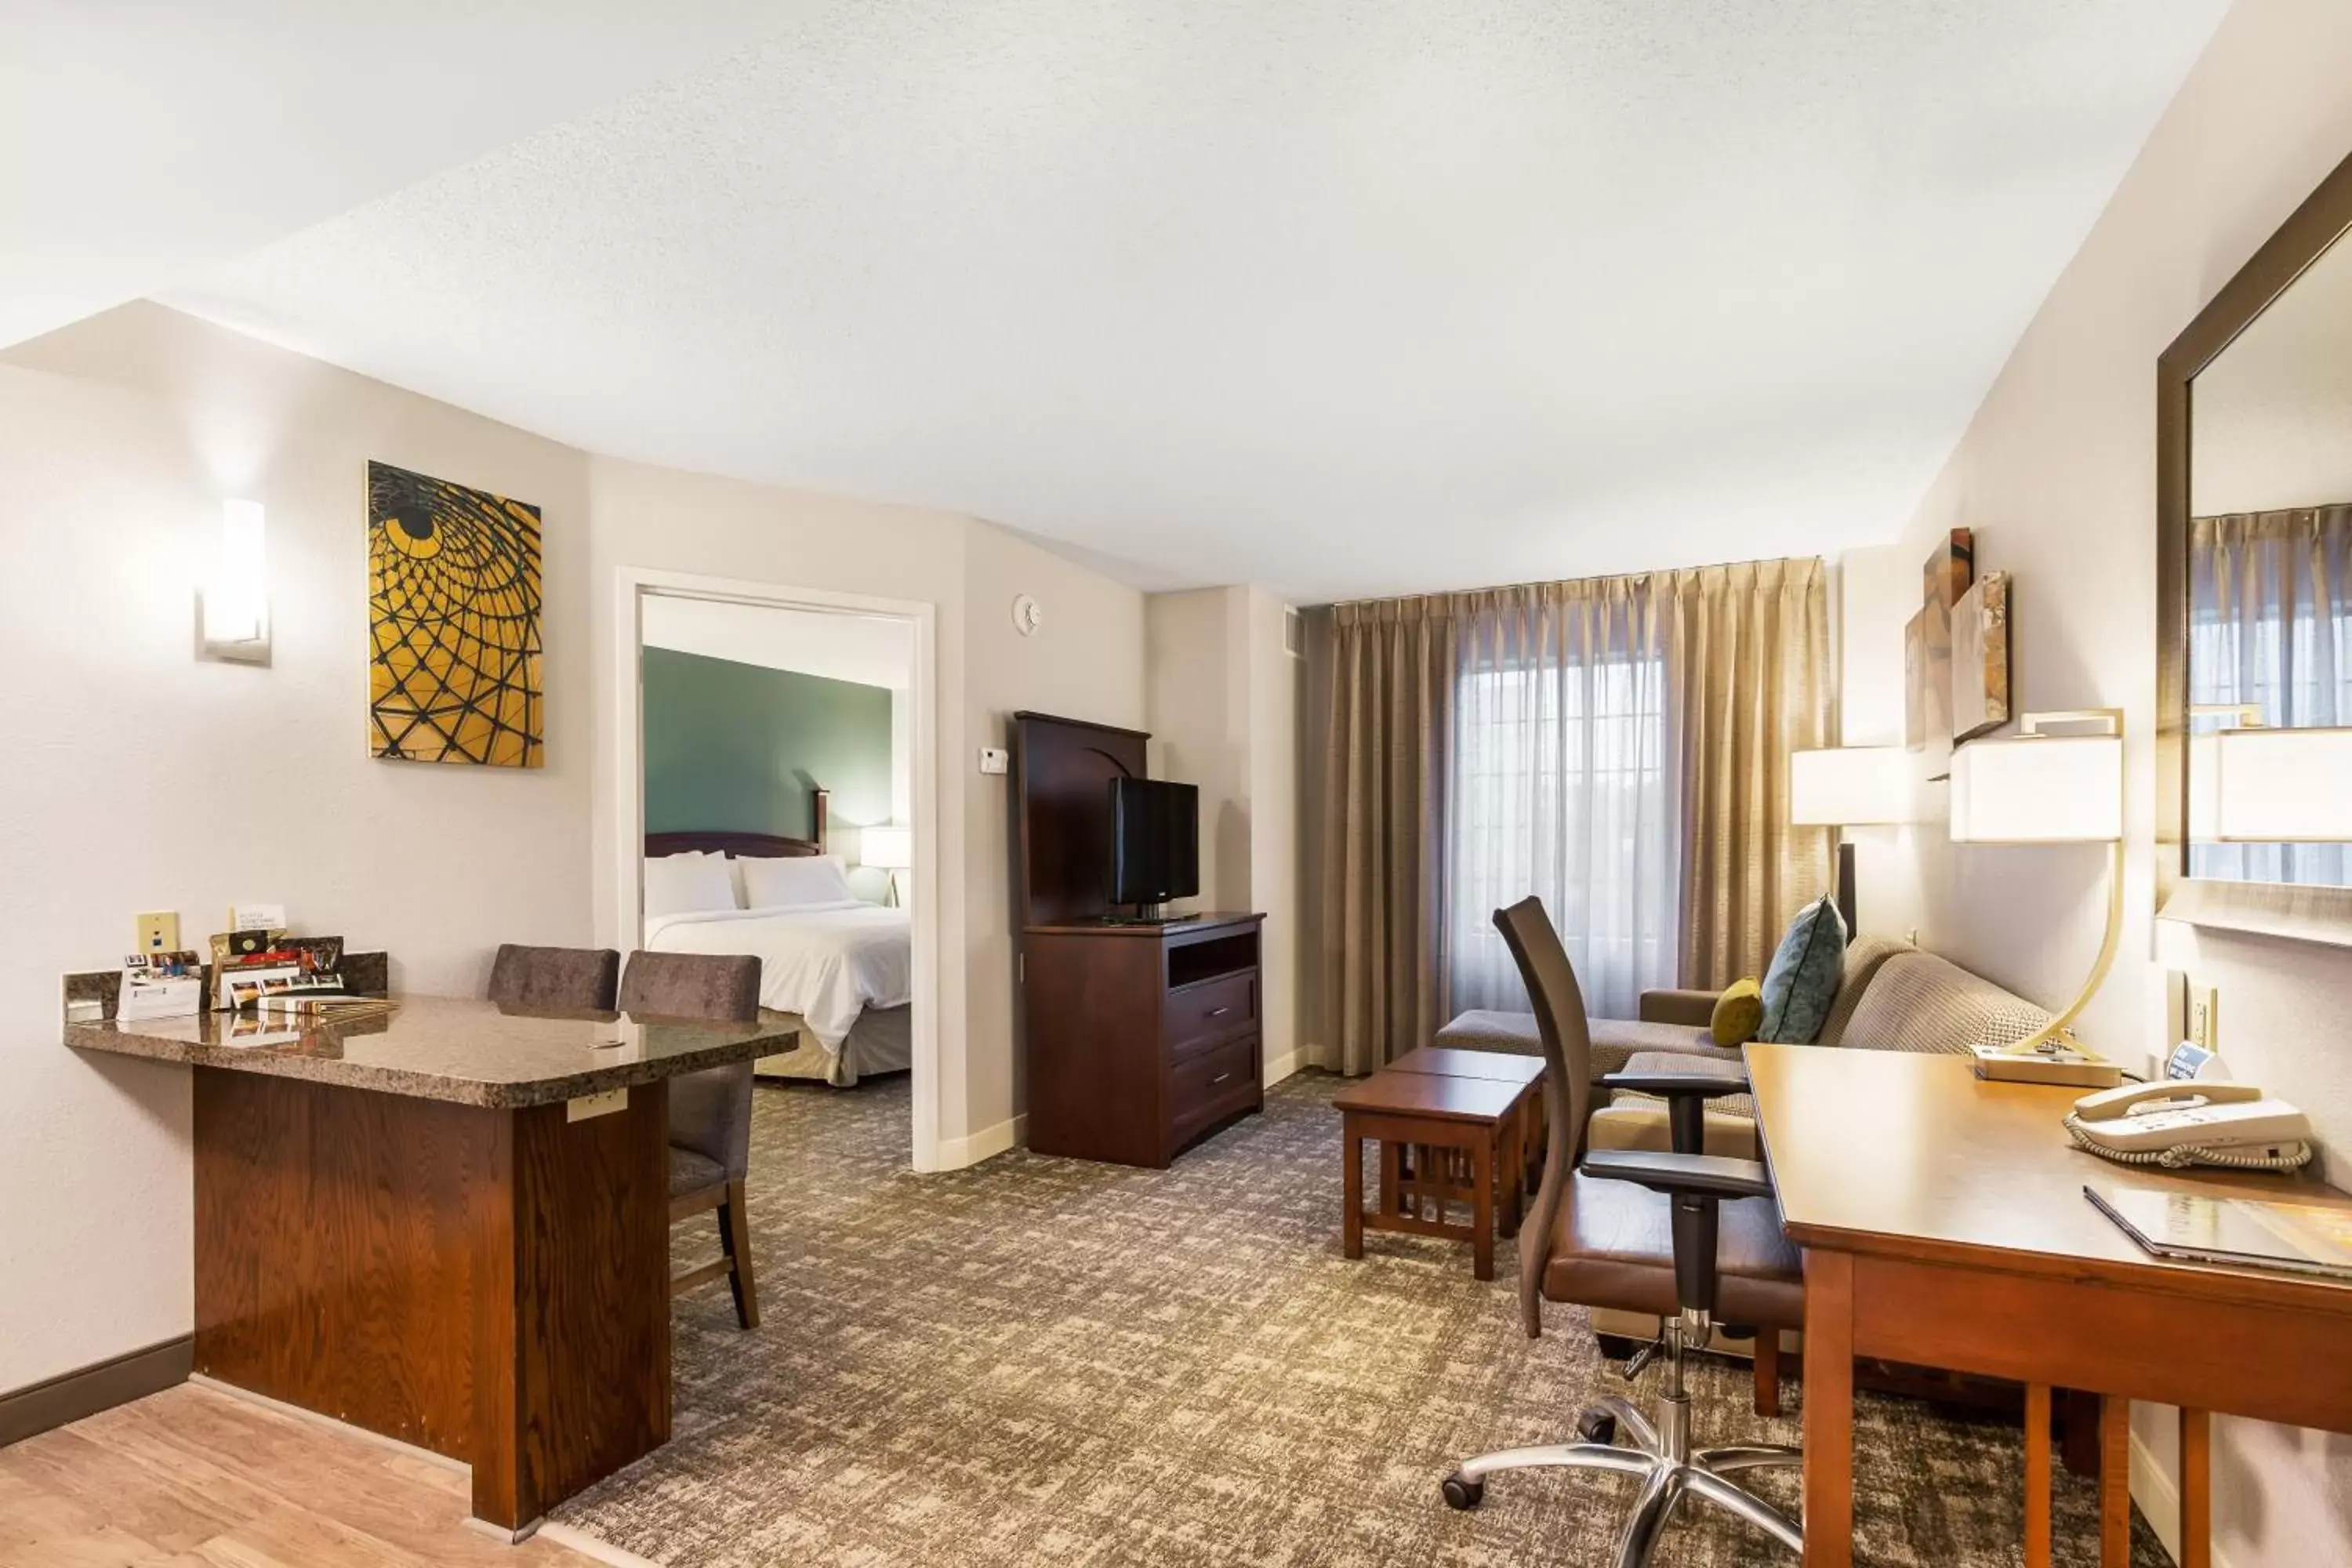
x=1803 y=979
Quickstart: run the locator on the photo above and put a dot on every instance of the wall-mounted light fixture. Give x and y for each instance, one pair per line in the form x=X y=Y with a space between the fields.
x=233 y=603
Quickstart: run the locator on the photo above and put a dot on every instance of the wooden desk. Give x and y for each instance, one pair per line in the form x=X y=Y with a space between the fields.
x=418 y=1225
x=1943 y=1222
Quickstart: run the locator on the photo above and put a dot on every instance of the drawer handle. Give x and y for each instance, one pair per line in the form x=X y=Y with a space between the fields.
x=1221 y=1077
x=1219 y=1012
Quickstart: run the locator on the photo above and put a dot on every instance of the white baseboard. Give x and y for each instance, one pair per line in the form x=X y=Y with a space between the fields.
x=955 y=1153
x=1282 y=1066
x=2159 y=1500
x=587 y=1545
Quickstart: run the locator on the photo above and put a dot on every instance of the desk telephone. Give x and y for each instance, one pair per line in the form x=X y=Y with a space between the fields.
x=2173 y=1124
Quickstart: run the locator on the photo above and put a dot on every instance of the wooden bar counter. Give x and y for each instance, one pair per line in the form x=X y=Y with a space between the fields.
x=448 y=1225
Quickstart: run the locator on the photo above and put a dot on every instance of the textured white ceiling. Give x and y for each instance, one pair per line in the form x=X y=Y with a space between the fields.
x=1339 y=298
x=141 y=138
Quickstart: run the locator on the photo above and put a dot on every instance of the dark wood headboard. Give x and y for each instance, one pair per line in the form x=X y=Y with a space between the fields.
x=754 y=846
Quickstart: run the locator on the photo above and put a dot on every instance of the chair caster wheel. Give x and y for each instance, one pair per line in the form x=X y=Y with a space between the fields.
x=1597 y=1427
x=1463 y=1494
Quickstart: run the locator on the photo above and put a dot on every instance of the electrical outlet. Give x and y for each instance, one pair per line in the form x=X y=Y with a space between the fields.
x=157 y=932
x=2204 y=1020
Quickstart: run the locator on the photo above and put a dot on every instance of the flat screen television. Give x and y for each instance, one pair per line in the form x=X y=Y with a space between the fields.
x=1155 y=841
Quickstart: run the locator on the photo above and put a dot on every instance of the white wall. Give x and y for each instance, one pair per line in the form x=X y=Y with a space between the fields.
x=1086 y=662
x=2057 y=476
x=141 y=778
x=1223 y=716
x=138 y=778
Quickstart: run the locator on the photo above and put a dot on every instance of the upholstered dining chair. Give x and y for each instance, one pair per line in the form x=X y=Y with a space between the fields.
x=1687 y=1237
x=586 y=978
x=709 y=1112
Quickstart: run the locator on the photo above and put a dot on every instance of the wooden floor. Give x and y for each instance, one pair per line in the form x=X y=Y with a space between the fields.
x=195 y=1479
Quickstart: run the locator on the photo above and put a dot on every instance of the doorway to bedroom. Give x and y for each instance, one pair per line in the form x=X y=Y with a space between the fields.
x=783 y=795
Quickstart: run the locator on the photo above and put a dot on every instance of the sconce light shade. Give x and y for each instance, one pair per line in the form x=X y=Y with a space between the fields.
x=235 y=606
x=1850 y=787
x=886 y=847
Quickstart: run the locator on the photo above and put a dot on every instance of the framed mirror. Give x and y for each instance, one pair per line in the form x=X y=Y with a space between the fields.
x=2254 y=585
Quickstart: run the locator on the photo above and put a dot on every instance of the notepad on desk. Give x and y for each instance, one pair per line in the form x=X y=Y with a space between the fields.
x=2234 y=1232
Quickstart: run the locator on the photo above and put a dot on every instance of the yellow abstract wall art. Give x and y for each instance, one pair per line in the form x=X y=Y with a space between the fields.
x=453 y=623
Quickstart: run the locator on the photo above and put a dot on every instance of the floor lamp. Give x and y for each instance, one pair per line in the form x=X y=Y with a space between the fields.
x=1849 y=786
x=2041 y=787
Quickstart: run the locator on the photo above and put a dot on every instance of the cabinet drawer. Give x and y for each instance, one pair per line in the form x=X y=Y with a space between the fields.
x=1209 y=1013
x=1202 y=1083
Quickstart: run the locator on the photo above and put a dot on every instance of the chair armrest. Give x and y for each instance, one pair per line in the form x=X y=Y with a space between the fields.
x=1696 y=1008
x=1710 y=1175
x=1712 y=1083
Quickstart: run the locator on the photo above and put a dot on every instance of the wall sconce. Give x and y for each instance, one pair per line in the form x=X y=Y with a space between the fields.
x=233 y=607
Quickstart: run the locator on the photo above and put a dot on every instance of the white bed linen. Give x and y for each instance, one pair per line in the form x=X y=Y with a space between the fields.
x=828 y=962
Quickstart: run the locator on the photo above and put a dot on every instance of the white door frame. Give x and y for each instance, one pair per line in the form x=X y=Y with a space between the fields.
x=628 y=824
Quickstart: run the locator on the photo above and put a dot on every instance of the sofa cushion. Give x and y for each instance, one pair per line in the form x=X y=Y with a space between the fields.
x=1481 y=1029
x=1615 y=1040
x=1803 y=978
x=1919 y=1002
x=1864 y=955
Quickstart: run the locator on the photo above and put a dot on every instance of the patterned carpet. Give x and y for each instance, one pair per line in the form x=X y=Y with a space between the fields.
x=1045 y=1360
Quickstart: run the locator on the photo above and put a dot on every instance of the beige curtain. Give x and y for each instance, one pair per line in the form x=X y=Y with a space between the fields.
x=1750 y=657
x=1744 y=682
x=1392 y=677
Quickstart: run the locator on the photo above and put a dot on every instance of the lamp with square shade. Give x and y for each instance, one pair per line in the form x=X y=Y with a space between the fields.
x=2045 y=787
x=1850 y=787
x=889 y=848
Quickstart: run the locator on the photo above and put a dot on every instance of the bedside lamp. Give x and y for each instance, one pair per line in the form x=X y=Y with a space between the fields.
x=889 y=848
x=2040 y=787
x=1850 y=787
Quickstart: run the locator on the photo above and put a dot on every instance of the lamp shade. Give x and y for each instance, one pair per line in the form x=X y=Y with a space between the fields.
x=1849 y=786
x=886 y=847
x=2039 y=789
x=2272 y=786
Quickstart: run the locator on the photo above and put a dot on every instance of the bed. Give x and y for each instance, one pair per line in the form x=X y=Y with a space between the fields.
x=844 y=965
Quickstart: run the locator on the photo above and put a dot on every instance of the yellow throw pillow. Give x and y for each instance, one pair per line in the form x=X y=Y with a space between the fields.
x=1739 y=1013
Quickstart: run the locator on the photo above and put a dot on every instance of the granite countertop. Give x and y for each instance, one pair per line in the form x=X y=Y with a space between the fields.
x=466 y=1051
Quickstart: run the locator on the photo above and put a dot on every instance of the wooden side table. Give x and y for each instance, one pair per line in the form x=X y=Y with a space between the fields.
x=1525 y=1137
x=1456 y=1126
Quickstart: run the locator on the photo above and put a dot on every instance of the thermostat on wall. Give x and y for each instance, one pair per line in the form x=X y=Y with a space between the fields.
x=993 y=759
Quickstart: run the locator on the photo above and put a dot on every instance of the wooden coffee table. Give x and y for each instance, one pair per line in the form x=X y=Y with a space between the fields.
x=1455 y=1129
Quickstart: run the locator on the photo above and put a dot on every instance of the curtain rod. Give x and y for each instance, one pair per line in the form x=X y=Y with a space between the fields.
x=1558 y=582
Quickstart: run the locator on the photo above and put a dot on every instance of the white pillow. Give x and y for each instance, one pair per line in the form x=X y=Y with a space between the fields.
x=688 y=884
x=780 y=882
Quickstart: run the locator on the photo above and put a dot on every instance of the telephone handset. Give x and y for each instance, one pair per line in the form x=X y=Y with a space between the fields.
x=2175 y=1124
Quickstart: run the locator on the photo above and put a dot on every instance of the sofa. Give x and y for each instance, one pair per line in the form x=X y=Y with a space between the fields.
x=1891 y=997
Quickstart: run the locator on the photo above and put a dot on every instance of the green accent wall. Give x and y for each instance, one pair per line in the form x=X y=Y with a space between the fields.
x=742 y=746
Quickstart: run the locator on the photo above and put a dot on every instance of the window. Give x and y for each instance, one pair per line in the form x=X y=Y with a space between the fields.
x=1561 y=787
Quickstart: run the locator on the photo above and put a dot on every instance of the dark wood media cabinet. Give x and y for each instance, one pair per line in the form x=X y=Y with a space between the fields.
x=1140 y=1039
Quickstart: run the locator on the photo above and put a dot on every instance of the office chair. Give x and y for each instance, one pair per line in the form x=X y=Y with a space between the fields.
x=1687 y=1237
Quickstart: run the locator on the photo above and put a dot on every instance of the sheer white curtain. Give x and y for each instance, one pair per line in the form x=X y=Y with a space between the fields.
x=2270 y=623
x=1560 y=786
